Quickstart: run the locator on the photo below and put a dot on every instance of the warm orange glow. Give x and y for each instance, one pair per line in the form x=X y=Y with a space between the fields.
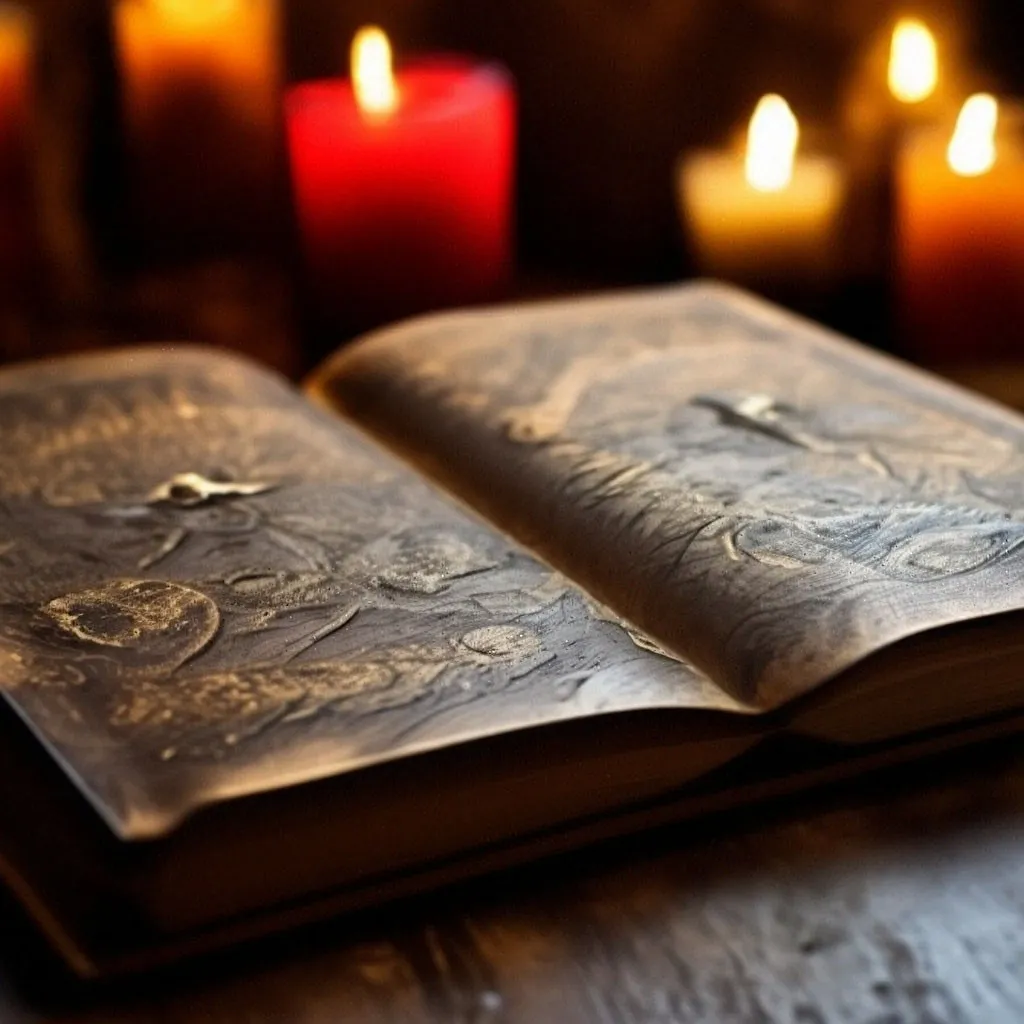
x=913 y=62
x=771 y=145
x=372 y=77
x=15 y=32
x=972 y=150
x=195 y=13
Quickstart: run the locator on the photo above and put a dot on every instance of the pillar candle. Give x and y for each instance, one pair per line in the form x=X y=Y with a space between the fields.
x=17 y=239
x=403 y=183
x=960 y=236
x=905 y=80
x=200 y=82
x=769 y=219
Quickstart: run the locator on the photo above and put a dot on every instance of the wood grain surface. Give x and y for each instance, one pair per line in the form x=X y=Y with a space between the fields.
x=897 y=899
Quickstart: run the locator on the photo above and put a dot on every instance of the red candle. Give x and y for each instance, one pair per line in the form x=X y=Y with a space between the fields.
x=403 y=183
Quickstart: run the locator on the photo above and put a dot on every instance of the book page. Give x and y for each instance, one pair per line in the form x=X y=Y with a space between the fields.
x=209 y=588
x=767 y=499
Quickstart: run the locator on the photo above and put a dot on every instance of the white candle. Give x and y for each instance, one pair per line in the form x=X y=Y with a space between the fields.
x=768 y=218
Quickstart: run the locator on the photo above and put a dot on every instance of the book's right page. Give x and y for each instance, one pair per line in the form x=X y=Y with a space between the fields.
x=752 y=490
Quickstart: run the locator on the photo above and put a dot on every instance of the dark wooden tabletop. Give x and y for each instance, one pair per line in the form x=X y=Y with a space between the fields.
x=898 y=898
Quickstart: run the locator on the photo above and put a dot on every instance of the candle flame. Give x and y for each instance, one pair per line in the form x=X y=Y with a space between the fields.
x=771 y=145
x=913 y=61
x=972 y=150
x=372 y=77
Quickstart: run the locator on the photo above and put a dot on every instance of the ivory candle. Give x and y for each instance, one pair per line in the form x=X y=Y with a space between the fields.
x=960 y=237
x=201 y=91
x=769 y=218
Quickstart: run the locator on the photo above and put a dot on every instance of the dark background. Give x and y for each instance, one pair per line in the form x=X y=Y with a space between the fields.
x=610 y=92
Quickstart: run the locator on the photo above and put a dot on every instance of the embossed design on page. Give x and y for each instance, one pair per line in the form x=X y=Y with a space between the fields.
x=246 y=594
x=736 y=481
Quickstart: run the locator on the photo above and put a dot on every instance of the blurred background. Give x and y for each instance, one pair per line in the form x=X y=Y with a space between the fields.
x=610 y=93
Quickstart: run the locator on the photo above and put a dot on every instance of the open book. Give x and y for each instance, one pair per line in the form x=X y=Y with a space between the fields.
x=502 y=582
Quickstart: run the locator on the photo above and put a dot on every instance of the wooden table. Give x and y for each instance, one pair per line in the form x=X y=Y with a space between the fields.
x=899 y=898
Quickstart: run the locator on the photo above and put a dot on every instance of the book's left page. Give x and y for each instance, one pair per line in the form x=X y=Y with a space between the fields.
x=208 y=588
